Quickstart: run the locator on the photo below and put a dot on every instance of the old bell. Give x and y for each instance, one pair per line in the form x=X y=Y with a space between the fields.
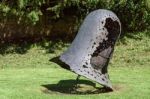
x=91 y=50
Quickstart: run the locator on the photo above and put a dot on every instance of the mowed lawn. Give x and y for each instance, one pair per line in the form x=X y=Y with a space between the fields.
x=130 y=83
x=31 y=75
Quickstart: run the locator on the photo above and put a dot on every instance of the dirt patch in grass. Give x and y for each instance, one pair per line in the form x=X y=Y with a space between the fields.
x=119 y=88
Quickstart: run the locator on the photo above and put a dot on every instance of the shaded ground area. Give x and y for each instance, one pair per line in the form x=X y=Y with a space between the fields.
x=82 y=87
x=22 y=46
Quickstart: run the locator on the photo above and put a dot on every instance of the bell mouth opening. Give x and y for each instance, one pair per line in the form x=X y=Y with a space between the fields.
x=58 y=61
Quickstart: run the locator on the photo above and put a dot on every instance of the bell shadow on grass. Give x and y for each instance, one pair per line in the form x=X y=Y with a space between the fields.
x=69 y=87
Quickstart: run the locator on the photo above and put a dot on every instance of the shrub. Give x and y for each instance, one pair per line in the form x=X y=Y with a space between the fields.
x=134 y=14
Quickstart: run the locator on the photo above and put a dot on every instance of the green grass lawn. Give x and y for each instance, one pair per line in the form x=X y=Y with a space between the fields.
x=32 y=76
x=130 y=83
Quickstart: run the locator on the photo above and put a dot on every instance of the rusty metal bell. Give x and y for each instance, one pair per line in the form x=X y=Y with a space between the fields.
x=91 y=50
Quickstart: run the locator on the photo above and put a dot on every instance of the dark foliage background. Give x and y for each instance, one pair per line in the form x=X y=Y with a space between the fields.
x=35 y=18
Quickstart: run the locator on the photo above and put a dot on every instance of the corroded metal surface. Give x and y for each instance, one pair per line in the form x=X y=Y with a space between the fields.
x=91 y=50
